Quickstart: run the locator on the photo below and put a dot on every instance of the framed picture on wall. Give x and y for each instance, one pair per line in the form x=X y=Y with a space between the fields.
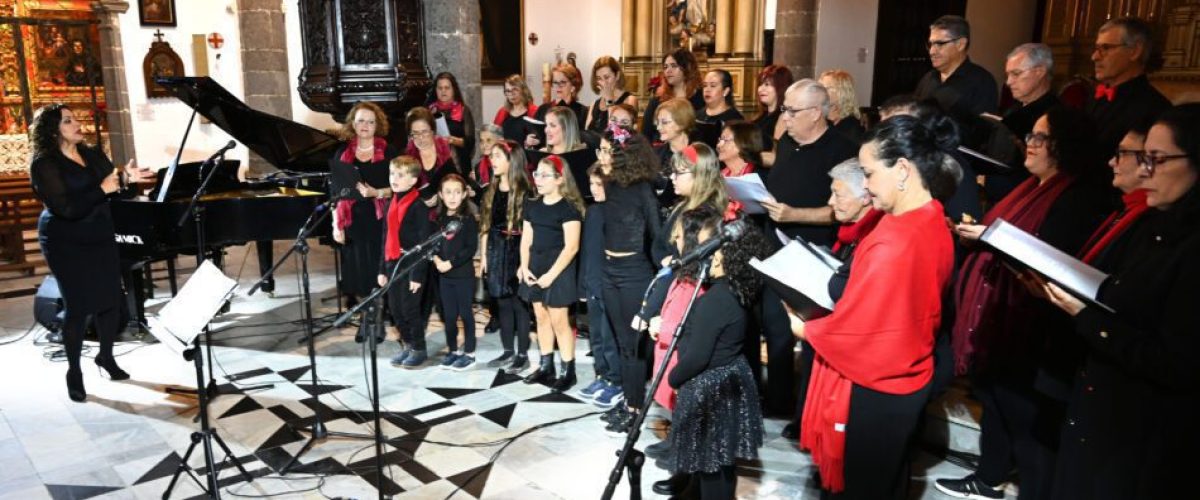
x=503 y=52
x=156 y=12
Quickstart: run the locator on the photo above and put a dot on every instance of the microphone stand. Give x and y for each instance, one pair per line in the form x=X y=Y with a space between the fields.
x=629 y=457
x=373 y=324
x=317 y=430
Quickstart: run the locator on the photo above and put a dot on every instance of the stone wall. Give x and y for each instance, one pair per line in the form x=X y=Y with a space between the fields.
x=264 y=61
x=452 y=42
x=796 y=36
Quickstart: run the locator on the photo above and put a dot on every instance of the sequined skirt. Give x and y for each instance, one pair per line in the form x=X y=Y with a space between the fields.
x=716 y=421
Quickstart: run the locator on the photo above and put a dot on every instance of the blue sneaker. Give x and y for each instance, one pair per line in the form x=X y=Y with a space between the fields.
x=594 y=388
x=449 y=360
x=463 y=362
x=415 y=360
x=398 y=360
x=610 y=396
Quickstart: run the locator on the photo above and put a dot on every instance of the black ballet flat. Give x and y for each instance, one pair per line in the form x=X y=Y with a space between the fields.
x=110 y=365
x=75 y=388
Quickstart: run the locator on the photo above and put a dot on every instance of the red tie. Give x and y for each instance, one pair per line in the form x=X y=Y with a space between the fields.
x=1105 y=92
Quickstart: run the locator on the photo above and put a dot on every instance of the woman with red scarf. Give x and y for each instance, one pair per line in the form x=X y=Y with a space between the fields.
x=1000 y=332
x=448 y=102
x=874 y=354
x=739 y=147
x=360 y=168
x=432 y=153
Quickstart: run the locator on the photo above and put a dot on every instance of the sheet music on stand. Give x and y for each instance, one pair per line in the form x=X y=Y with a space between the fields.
x=184 y=317
x=1072 y=274
x=800 y=273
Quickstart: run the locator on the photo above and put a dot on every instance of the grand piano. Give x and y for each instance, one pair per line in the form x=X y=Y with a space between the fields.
x=234 y=211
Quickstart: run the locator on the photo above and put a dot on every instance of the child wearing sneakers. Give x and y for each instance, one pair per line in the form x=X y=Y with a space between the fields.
x=455 y=264
x=407 y=224
x=605 y=391
x=549 y=242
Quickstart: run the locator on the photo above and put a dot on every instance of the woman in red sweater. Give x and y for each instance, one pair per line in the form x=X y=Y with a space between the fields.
x=874 y=353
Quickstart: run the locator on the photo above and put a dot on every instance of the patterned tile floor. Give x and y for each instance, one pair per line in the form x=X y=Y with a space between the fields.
x=445 y=430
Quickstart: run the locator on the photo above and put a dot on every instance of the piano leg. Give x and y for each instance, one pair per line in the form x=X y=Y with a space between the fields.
x=171 y=276
x=266 y=258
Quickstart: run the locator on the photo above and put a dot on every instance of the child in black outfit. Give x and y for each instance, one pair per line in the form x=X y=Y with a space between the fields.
x=549 y=242
x=717 y=419
x=407 y=225
x=501 y=221
x=455 y=264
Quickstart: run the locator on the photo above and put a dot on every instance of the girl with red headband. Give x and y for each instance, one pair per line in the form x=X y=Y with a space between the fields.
x=549 y=242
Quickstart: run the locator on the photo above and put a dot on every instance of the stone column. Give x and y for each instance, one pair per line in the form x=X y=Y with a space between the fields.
x=116 y=90
x=747 y=28
x=264 y=62
x=796 y=36
x=628 y=12
x=723 y=17
x=642 y=36
x=452 y=42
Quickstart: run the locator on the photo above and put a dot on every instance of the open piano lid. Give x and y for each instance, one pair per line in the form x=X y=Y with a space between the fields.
x=281 y=142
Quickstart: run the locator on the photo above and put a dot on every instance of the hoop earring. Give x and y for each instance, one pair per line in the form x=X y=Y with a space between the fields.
x=900 y=186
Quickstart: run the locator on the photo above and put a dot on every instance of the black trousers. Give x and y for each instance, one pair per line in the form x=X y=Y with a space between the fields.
x=107 y=324
x=781 y=366
x=879 y=434
x=405 y=307
x=1018 y=428
x=625 y=281
x=514 y=323
x=456 y=303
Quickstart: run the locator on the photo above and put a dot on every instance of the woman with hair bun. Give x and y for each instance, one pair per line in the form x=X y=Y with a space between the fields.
x=874 y=353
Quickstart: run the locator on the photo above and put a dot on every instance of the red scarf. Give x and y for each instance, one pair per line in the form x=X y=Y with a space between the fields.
x=502 y=114
x=452 y=108
x=854 y=232
x=1116 y=224
x=344 y=207
x=483 y=172
x=747 y=170
x=992 y=305
x=393 y=248
x=880 y=338
x=441 y=146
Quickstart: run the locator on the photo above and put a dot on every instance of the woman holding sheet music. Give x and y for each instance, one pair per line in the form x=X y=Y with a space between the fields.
x=1000 y=332
x=1131 y=429
x=873 y=367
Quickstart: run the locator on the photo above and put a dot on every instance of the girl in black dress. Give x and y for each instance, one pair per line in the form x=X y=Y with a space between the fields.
x=362 y=167
x=459 y=120
x=716 y=419
x=501 y=221
x=75 y=231
x=608 y=81
x=549 y=242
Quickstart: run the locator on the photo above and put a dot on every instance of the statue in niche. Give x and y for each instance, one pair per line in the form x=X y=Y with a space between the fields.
x=688 y=25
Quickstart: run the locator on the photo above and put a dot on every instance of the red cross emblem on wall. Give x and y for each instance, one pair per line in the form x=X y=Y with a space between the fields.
x=215 y=40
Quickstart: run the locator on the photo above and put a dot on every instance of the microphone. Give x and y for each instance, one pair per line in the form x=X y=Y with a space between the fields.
x=731 y=231
x=221 y=152
x=447 y=233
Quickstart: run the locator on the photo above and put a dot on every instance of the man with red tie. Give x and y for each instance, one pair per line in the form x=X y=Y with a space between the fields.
x=1124 y=95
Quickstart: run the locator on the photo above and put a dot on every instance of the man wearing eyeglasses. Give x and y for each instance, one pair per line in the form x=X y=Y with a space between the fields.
x=1029 y=70
x=1123 y=96
x=963 y=89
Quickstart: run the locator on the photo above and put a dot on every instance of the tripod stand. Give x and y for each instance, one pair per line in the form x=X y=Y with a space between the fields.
x=630 y=458
x=317 y=430
x=373 y=320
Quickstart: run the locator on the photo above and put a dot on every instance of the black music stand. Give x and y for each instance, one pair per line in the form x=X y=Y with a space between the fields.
x=630 y=458
x=317 y=430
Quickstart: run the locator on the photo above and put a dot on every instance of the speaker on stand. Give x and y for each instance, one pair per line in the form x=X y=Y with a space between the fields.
x=48 y=309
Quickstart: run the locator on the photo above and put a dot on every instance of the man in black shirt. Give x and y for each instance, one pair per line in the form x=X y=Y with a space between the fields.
x=1029 y=71
x=964 y=89
x=1124 y=96
x=799 y=182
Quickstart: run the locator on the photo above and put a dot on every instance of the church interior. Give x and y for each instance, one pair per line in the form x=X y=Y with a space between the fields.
x=266 y=90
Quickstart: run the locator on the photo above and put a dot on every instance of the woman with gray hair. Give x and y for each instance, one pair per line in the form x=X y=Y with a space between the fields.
x=851 y=204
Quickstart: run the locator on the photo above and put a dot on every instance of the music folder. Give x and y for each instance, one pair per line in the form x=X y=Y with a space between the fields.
x=1028 y=252
x=800 y=274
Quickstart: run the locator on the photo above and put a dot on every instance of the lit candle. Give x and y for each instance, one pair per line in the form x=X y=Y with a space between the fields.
x=545 y=72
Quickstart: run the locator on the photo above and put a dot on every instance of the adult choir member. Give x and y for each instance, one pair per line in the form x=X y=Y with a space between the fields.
x=773 y=82
x=718 y=107
x=739 y=149
x=518 y=103
x=1124 y=95
x=843 y=104
x=460 y=122
x=608 y=82
x=431 y=151
x=566 y=82
x=680 y=80
x=874 y=363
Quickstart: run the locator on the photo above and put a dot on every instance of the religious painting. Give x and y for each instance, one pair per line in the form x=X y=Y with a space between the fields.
x=157 y=12
x=160 y=62
x=503 y=50
x=64 y=55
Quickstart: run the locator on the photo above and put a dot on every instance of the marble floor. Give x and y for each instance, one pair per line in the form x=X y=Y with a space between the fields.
x=473 y=434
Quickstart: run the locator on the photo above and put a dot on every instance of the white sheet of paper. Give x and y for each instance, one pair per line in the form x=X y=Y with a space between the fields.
x=443 y=130
x=807 y=270
x=750 y=191
x=184 y=317
x=1051 y=262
